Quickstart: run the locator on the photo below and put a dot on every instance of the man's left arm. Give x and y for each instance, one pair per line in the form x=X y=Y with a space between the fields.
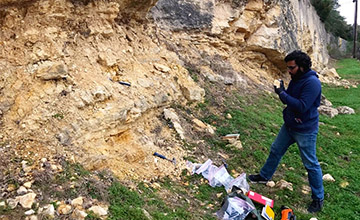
x=309 y=93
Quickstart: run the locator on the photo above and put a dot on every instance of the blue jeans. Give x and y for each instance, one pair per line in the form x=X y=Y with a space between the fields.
x=307 y=146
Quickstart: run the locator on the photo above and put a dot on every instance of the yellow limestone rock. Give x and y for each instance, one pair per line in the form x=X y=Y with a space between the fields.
x=277 y=83
x=26 y=201
x=64 y=209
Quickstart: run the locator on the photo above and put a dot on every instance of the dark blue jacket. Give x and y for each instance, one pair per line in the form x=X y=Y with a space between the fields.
x=302 y=98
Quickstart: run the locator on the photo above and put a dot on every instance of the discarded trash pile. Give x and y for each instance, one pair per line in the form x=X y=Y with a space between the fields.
x=238 y=204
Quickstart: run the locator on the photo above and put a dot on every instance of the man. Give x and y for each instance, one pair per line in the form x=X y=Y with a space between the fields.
x=301 y=125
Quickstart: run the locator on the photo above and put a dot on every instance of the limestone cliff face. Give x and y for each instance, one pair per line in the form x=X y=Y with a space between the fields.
x=90 y=79
x=272 y=28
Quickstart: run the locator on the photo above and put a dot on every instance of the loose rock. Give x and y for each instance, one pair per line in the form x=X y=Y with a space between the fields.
x=282 y=184
x=328 y=177
x=270 y=184
x=26 y=201
x=98 y=210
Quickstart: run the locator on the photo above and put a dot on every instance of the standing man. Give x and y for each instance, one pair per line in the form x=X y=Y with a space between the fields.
x=301 y=125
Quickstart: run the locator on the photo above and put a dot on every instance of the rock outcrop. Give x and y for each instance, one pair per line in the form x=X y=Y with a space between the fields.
x=91 y=79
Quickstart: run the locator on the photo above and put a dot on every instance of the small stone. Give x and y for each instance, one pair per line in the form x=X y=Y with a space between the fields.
x=21 y=191
x=328 y=177
x=147 y=215
x=228 y=116
x=2 y=204
x=155 y=185
x=53 y=167
x=210 y=129
x=33 y=217
x=270 y=184
x=78 y=201
x=345 y=110
x=344 y=184
x=27 y=170
x=313 y=218
x=26 y=201
x=98 y=210
x=199 y=123
x=48 y=211
x=209 y=206
x=237 y=144
x=162 y=68
x=64 y=209
x=305 y=189
x=28 y=184
x=78 y=214
x=225 y=156
x=29 y=212
x=231 y=138
x=282 y=184
x=11 y=187
x=12 y=203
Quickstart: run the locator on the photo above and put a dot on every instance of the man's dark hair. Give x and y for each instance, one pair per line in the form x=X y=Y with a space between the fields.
x=301 y=59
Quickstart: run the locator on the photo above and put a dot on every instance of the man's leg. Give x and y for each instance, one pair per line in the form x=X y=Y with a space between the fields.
x=307 y=147
x=277 y=151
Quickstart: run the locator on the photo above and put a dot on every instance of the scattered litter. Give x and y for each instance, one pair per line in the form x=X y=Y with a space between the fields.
x=234 y=208
x=237 y=206
x=219 y=176
x=239 y=202
x=268 y=213
x=260 y=199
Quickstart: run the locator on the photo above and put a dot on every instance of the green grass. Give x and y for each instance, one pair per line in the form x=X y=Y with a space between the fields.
x=257 y=118
x=349 y=69
x=129 y=204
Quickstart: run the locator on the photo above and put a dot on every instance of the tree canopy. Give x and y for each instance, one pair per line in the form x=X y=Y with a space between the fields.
x=334 y=22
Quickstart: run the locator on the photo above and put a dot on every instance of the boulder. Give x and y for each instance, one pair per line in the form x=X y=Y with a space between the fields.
x=329 y=111
x=345 y=110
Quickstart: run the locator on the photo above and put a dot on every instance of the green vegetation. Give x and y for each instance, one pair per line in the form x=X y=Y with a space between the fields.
x=349 y=69
x=58 y=115
x=257 y=118
x=334 y=22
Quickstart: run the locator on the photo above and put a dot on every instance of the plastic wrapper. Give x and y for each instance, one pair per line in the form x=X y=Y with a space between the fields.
x=234 y=208
x=240 y=182
x=219 y=176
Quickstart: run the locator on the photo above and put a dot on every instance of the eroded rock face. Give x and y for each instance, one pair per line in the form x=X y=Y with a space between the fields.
x=91 y=78
x=272 y=28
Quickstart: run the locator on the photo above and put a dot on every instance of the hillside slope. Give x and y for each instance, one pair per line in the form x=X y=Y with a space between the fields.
x=89 y=80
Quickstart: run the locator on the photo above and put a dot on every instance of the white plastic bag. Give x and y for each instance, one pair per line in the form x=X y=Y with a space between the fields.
x=240 y=182
x=234 y=208
x=220 y=177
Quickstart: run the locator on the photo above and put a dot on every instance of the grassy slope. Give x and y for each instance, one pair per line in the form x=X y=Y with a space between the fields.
x=257 y=119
